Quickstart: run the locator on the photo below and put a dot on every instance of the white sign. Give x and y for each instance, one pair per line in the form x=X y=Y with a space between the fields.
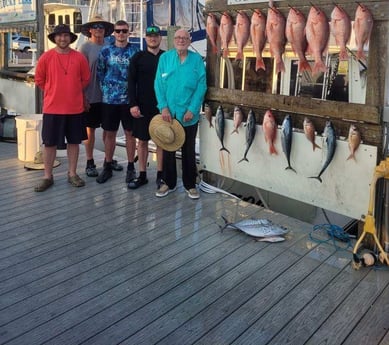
x=14 y=11
x=242 y=2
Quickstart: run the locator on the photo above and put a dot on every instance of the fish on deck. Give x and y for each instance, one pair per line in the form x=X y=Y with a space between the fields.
x=257 y=227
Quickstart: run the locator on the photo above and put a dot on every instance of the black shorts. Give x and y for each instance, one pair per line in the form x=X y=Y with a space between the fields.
x=113 y=114
x=93 y=116
x=141 y=127
x=57 y=128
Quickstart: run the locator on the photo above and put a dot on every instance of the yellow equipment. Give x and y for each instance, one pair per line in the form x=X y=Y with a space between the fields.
x=381 y=171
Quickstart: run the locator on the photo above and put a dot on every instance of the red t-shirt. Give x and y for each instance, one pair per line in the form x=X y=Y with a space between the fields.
x=62 y=77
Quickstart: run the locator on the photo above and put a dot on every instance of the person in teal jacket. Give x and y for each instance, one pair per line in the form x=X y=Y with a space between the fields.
x=180 y=86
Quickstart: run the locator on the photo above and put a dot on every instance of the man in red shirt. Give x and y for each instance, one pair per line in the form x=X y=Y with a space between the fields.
x=62 y=73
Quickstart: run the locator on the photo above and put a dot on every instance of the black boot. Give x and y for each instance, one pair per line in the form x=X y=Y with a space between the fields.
x=106 y=174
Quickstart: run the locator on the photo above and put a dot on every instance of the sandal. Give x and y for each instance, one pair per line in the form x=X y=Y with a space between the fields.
x=136 y=183
x=76 y=181
x=44 y=184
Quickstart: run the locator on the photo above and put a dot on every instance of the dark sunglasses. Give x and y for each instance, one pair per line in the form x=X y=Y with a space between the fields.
x=118 y=31
x=152 y=30
x=97 y=26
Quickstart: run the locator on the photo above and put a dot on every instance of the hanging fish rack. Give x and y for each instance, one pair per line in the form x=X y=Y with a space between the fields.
x=368 y=116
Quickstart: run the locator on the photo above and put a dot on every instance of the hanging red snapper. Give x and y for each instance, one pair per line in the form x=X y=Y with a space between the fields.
x=317 y=31
x=226 y=30
x=363 y=25
x=238 y=118
x=242 y=33
x=269 y=127
x=341 y=30
x=309 y=130
x=275 y=32
x=212 y=31
x=295 y=34
x=258 y=37
x=354 y=139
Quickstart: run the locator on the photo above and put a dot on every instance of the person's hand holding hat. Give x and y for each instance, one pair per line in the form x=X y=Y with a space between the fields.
x=166 y=116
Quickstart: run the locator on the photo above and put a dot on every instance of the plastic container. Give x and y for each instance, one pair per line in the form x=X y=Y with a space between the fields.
x=29 y=128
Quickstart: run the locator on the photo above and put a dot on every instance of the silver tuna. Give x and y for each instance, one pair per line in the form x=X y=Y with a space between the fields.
x=286 y=139
x=220 y=124
x=250 y=133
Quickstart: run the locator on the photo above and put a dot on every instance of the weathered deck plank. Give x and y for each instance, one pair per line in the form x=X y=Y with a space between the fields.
x=105 y=265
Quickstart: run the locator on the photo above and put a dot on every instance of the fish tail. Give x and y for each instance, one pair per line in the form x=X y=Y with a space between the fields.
x=215 y=50
x=224 y=149
x=226 y=223
x=360 y=55
x=318 y=67
x=351 y=156
x=225 y=52
x=272 y=149
x=280 y=66
x=259 y=64
x=343 y=54
x=304 y=66
x=235 y=131
x=210 y=125
x=315 y=146
x=290 y=168
x=243 y=159
x=239 y=56
x=317 y=178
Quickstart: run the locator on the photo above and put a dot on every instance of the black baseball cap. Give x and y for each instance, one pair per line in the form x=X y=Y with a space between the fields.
x=153 y=30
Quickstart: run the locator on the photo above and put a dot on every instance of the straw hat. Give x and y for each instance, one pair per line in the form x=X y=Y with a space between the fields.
x=37 y=164
x=62 y=29
x=97 y=19
x=170 y=136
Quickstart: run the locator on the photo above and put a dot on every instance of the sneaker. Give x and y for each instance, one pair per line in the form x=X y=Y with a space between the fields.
x=116 y=166
x=193 y=193
x=136 y=183
x=164 y=190
x=106 y=174
x=159 y=182
x=91 y=171
x=131 y=175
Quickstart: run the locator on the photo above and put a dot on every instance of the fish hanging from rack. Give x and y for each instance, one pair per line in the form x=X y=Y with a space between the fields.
x=226 y=30
x=329 y=133
x=250 y=133
x=275 y=32
x=286 y=139
x=295 y=34
x=220 y=126
x=354 y=139
x=242 y=33
x=258 y=37
x=340 y=27
x=212 y=29
x=208 y=114
x=363 y=25
x=238 y=118
x=310 y=133
x=269 y=127
x=317 y=31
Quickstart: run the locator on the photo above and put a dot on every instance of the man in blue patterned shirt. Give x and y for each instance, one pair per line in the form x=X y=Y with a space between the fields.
x=112 y=70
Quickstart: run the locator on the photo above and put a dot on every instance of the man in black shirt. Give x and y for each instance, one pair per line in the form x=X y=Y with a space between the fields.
x=143 y=102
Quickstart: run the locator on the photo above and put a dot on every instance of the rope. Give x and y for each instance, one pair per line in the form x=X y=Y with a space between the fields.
x=335 y=235
x=207 y=188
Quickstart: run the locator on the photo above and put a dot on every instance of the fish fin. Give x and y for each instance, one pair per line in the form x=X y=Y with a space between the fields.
x=235 y=131
x=259 y=64
x=224 y=149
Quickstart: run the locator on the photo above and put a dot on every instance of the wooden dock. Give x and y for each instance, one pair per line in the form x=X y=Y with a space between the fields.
x=106 y=265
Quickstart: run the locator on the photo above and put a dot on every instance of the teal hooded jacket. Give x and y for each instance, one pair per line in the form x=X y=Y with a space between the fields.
x=181 y=86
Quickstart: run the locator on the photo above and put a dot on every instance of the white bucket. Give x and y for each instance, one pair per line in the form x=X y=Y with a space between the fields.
x=29 y=128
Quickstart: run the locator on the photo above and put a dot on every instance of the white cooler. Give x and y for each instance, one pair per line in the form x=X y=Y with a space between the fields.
x=29 y=128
